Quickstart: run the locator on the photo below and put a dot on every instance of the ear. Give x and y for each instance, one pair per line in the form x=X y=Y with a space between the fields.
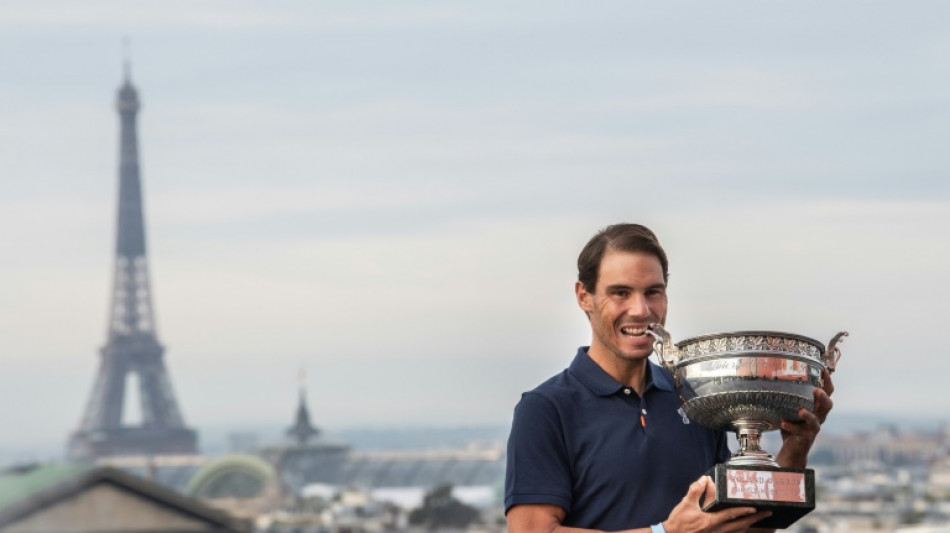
x=585 y=300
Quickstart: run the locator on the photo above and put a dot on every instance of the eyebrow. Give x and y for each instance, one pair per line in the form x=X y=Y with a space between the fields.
x=631 y=288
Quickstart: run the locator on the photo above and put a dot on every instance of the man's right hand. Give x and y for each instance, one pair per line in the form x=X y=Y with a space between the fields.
x=689 y=517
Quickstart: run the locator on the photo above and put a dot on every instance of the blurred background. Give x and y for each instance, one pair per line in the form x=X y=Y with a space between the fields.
x=392 y=196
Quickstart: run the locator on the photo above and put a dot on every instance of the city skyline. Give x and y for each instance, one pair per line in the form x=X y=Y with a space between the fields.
x=393 y=198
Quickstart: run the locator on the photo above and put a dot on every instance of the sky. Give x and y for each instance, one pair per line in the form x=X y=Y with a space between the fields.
x=391 y=196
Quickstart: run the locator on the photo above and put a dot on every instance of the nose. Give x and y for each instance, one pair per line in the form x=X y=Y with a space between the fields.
x=639 y=307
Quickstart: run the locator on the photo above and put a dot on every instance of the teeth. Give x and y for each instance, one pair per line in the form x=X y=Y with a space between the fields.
x=627 y=330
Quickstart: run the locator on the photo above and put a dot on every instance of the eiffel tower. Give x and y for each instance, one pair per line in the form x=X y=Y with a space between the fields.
x=132 y=347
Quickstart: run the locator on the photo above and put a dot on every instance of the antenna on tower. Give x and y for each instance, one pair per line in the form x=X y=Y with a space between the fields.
x=127 y=58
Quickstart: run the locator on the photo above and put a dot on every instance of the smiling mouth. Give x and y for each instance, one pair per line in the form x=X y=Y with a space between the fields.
x=634 y=331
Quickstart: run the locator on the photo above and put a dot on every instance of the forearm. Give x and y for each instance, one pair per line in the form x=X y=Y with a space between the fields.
x=557 y=528
x=565 y=529
x=540 y=518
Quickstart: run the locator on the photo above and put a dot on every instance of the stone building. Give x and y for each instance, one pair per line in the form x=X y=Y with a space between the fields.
x=68 y=498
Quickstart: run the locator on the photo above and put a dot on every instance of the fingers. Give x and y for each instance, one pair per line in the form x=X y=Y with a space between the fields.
x=823 y=405
x=808 y=426
x=734 y=513
x=688 y=516
x=710 y=494
x=829 y=385
x=742 y=521
x=819 y=413
x=697 y=489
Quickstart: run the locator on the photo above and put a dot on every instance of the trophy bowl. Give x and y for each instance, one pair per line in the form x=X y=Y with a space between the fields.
x=746 y=381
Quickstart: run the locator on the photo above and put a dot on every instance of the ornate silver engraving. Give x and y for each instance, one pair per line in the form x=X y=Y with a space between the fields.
x=746 y=381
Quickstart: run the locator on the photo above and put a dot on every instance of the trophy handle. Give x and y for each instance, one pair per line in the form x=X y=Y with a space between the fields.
x=663 y=346
x=833 y=353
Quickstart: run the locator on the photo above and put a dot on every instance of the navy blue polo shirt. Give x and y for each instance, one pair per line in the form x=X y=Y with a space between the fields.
x=578 y=441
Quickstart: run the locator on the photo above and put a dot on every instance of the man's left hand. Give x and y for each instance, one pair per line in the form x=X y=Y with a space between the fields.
x=798 y=437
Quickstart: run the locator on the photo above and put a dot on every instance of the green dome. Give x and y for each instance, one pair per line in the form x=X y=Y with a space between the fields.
x=232 y=476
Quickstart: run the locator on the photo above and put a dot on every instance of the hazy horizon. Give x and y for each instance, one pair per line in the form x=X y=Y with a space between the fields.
x=215 y=440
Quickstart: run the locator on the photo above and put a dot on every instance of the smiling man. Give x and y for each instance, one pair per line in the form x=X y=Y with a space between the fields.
x=605 y=445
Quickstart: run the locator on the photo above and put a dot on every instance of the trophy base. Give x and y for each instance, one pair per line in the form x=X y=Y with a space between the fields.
x=788 y=492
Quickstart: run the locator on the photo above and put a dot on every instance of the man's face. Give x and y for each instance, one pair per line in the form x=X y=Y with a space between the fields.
x=630 y=295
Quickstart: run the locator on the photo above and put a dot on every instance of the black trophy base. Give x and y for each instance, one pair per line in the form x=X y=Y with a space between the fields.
x=788 y=492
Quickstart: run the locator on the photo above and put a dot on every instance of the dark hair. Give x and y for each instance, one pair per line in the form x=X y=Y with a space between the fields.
x=619 y=237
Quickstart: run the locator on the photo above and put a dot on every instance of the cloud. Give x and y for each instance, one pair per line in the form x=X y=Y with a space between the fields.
x=397 y=194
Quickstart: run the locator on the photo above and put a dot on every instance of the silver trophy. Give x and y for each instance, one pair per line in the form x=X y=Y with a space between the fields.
x=747 y=382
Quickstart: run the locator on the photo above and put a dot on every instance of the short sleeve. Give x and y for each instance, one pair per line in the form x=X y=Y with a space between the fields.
x=538 y=464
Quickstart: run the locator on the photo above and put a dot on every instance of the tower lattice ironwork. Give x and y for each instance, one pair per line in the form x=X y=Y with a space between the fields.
x=132 y=348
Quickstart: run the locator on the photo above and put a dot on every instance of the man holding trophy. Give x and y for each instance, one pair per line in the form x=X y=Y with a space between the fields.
x=616 y=442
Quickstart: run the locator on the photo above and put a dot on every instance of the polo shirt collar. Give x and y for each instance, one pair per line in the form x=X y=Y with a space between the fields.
x=602 y=384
